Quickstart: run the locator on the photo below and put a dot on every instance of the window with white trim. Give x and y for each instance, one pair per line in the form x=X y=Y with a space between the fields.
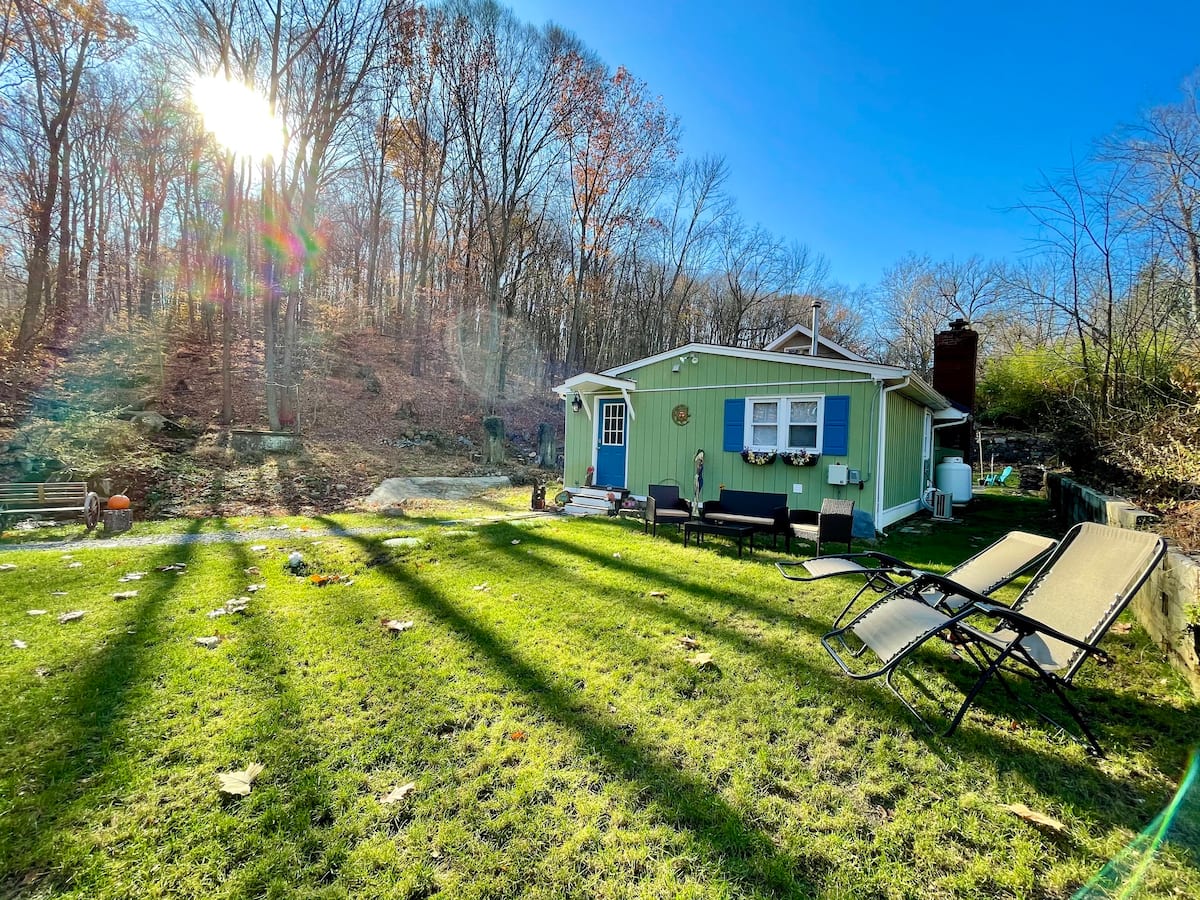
x=784 y=423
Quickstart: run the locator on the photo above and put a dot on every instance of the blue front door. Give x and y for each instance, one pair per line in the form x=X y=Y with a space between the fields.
x=610 y=444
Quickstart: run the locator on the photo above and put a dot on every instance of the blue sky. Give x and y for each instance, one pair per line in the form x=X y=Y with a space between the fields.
x=871 y=130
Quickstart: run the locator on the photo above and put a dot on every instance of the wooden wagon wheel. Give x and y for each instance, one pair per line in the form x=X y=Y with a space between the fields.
x=91 y=510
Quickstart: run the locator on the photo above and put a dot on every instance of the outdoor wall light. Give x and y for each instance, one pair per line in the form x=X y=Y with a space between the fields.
x=577 y=402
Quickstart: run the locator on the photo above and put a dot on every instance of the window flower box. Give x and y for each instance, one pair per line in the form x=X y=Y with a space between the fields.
x=759 y=457
x=799 y=457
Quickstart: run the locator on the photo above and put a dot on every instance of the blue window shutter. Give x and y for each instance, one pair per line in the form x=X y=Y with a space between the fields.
x=735 y=423
x=836 y=441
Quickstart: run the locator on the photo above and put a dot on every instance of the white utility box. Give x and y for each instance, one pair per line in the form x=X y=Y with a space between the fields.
x=838 y=474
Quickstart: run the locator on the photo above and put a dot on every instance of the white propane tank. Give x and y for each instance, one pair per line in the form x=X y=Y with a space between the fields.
x=954 y=477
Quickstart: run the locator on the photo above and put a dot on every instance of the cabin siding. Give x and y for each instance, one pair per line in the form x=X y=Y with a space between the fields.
x=662 y=452
x=903 y=451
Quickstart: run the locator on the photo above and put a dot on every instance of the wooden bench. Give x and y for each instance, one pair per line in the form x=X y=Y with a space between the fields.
x=54 y=498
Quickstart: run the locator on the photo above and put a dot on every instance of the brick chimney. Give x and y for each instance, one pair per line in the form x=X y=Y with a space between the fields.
x=955 y=358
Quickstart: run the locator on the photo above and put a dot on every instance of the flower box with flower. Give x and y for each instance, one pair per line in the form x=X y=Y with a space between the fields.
x=799 y=457
x=759 y=457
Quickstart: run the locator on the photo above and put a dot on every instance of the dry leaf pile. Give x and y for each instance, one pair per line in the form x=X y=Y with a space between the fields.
x=323 y=580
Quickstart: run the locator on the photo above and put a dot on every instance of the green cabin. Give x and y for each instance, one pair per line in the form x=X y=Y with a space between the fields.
x=838 y=425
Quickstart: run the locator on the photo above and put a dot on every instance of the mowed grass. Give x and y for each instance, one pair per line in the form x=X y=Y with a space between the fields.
x=561 y=741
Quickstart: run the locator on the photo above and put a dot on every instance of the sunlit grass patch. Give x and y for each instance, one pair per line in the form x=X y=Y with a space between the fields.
x=560 y=737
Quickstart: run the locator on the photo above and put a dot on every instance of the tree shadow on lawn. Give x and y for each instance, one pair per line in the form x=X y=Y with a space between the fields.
x=743 y=852
x=1073 y=781
x=294 y=804
x=87 y=723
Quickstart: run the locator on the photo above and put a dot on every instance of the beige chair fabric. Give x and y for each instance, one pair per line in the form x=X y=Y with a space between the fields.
x=1082 y=593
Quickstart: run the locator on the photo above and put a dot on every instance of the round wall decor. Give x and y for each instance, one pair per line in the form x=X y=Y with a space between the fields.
x=680 y=414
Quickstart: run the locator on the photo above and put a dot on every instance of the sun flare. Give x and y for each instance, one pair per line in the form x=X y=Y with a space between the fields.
x=238 y=117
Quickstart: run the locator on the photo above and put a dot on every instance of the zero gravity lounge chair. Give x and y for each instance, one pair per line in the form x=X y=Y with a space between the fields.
x=987 y=571
x=1048 y=633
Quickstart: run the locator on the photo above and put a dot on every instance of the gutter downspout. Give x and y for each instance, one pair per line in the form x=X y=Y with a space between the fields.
x=881 y=461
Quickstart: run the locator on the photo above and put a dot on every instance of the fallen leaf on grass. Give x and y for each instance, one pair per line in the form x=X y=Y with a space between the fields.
x=124 y=595
x=6 y=567
x=36 y=612
x=252 y=570
x=259 y=548
x=75 y=565
x=1036 y=818
x=616 y=555
x=518 y=736
x=688 y=642
x=132 y=576
x=395 y=625
x=217 y=613
x=208 y=643
x=1122 y=627
x=658 y=593
x=71 y=616
x=20 y=645
x=515 y=541
x=171 y=567
x=480 y=587
x=238 y=783
x=58 y=594
x=322 y=580
x=254 y=588
x=399 y=793
x=701 y=660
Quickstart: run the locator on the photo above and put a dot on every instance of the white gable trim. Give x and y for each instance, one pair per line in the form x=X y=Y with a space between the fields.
x=777 y=344
x=878 y=370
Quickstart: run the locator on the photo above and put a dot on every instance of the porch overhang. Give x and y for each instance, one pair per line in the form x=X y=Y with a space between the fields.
x=589 y=384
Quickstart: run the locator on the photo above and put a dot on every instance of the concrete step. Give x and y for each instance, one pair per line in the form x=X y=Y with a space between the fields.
x=576 y=509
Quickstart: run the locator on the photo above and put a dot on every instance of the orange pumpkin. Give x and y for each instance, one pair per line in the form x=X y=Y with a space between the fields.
x=118 y=501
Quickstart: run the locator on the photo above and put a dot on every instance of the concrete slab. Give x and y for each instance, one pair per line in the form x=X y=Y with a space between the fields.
x=394 y=491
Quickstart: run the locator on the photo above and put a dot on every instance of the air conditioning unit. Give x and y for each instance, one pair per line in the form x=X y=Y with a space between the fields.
x=939 y=504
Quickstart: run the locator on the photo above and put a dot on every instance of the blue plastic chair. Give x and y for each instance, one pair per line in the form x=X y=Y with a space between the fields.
x=998 y=479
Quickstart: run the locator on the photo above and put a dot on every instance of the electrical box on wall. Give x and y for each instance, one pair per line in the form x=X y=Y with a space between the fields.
x=838 y=474
x=854 y=477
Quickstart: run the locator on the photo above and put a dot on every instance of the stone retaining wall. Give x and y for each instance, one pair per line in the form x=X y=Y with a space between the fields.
x=1161 y=606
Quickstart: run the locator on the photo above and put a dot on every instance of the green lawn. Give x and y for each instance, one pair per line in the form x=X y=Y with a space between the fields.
x=634 y=773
